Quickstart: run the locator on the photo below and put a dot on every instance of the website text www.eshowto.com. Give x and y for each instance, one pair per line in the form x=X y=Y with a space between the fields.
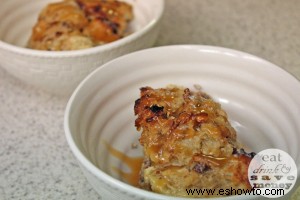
x=232 y=191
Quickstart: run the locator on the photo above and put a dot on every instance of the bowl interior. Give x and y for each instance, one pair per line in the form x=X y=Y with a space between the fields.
x=259 y=98
x=17 y=17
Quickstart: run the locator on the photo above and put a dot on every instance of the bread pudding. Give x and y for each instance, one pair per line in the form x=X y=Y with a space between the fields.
x=188 y=143
x=80 y=24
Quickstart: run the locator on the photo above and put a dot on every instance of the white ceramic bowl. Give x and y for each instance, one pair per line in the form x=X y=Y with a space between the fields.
x=262 y=101
x=60 y=72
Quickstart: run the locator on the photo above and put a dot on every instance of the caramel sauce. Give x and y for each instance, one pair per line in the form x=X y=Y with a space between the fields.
x=216 y=161
x=133 y=163
x=155 y=152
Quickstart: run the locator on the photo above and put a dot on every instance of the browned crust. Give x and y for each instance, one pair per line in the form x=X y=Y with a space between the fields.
x=97 y=21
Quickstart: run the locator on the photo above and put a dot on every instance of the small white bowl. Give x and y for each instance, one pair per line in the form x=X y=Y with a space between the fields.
x=261 y=99
x=60 y=72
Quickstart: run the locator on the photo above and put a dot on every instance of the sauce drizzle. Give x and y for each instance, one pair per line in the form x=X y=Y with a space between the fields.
x=133 y=163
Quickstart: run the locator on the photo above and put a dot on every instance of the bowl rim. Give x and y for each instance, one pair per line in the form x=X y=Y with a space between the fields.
x=93 y=50
x=115 y=183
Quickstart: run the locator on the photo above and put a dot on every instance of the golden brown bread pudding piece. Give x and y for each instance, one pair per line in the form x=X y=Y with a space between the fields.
x=79 y=24
x=188 y=143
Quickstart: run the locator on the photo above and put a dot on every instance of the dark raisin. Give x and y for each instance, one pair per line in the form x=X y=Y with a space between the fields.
x=137 y=102
x=97 y=8
x=156 y=108
x=58 y=33
x=114 y=27
x=243 y=152
x=235 y=151
x=201 y=168
x=251 y=155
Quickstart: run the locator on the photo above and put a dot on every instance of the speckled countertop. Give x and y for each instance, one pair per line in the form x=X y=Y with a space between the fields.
x=35 y=160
